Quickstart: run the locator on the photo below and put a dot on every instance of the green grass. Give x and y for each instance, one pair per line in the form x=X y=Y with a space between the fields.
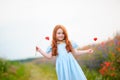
x=42 y=71
x=92 y=74
x=12 y=70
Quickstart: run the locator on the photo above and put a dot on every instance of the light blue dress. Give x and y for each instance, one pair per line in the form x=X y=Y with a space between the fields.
x=67 y=67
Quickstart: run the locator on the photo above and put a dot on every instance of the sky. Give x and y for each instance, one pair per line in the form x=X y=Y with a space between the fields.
x=25 y=23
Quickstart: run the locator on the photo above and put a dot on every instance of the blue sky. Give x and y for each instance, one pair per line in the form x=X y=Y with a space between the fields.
x=25 y=23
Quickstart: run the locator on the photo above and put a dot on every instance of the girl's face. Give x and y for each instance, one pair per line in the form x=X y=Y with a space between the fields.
x=60 y=34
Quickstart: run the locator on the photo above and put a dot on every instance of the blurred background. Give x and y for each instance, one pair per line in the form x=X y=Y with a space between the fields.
x=25 y=24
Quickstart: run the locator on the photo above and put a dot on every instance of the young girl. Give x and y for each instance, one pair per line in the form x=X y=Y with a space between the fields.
x=67 y=67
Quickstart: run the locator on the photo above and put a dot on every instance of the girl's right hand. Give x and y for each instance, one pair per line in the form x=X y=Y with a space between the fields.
x=37 y=48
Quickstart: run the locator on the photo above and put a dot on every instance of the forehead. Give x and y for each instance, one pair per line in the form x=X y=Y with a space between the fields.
x=59 y=30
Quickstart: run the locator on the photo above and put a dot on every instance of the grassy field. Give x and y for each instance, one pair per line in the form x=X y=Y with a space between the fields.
x=104 y=64
x=26 y=71
x=42 y=71
x=31 y=71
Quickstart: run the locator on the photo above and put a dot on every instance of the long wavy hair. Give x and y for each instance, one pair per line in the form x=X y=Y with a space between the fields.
x=54 y=40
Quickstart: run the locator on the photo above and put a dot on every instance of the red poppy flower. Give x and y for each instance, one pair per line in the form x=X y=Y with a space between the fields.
x=95 y=39
x=107 y=64
x=47 y=38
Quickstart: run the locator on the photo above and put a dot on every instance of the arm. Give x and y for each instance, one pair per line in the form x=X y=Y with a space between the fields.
x=79 y=52
x=49 y=55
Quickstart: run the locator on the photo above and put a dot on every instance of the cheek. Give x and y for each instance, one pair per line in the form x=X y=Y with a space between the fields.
x=63 y=35
x=57 y=36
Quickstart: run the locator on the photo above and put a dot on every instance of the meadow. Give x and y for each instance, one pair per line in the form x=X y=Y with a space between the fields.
x=104 y=64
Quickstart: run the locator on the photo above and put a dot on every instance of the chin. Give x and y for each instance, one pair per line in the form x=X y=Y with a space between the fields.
x=61 y=39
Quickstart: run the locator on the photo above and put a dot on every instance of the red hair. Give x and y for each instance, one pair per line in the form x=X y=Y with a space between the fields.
x=54 y=40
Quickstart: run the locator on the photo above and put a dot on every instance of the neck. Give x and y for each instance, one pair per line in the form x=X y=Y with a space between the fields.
x=62 y=41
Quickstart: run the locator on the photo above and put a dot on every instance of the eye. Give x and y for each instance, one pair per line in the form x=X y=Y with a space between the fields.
x=58 y=32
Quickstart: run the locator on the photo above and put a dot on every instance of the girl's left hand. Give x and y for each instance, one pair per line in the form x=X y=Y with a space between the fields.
x=90 y=50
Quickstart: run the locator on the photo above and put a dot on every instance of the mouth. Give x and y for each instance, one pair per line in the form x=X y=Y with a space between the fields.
x=60 y=37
